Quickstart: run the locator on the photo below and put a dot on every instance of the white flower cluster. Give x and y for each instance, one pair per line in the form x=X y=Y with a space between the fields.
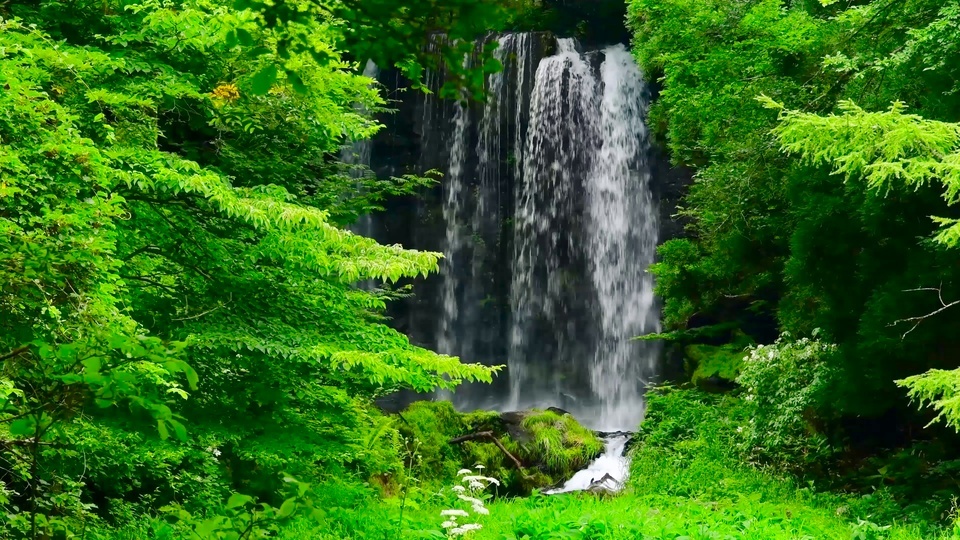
x=475 y=484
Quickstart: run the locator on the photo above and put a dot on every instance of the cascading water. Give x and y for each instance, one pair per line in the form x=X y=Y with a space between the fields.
x=477 y=199
x=358 y=155
x=585 y=208
x=456 y=241
x=548 y=225
x=621 y=242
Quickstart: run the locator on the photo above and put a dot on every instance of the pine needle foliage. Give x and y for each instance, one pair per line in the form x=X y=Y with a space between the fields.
x=888 y=148
x=885 y=148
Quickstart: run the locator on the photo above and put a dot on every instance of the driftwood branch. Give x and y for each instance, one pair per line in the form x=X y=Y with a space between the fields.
x=919 y=319
x=16 y=352
x=489 y=435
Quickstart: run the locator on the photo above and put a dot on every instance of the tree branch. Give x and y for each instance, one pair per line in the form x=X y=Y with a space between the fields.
x=15 y=352
x=496 y=441
x=919 y=319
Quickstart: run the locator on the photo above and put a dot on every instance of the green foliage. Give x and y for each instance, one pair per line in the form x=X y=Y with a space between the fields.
x=883 y=147
x=241 y=517
x=180 y=316
x=938 y=389
x=788 y=388
x=688 y=480
x=840 y=238
x=723 y=362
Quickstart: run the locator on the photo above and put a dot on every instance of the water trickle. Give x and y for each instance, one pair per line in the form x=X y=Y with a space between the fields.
x=608 y=472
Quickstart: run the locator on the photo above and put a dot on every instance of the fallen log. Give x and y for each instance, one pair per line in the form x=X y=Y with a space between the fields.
x=489 y=435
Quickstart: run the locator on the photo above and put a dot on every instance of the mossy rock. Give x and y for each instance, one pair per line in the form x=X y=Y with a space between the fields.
x=550 y=445
x=715 y=367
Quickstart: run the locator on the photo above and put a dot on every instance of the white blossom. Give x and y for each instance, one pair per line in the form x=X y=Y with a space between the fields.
x=462 y=530
x=454 y=512
x=471 y=500
x=462 y=472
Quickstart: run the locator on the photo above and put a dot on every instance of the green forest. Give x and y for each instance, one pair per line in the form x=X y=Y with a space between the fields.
x=186 y=352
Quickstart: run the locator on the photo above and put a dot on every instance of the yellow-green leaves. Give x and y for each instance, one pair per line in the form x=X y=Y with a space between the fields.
x=885 y=148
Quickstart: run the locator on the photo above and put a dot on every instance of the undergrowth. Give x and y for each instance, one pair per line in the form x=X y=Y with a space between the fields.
x=689 y=480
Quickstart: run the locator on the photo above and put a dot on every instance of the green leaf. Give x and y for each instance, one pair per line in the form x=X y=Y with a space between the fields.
x=22 y=427
x=244 y=37
x=238 y=499
x=92 y=365
x=297 y=82
x=264 y=79
x=178 y=429
x=288 y=507
x=162 y=428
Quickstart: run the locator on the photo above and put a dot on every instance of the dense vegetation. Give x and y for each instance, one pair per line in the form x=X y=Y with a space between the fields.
x=179 y=317
x=185 y=352
x=835 y=215
x=824 y=152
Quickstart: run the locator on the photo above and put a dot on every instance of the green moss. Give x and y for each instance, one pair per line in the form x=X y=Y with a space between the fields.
x=560 y=443
x=551 y=446
x=724 y=361
x=427 y=426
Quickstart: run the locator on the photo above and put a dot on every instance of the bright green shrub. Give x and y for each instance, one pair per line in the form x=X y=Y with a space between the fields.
x=787 y=395
x=722 y=361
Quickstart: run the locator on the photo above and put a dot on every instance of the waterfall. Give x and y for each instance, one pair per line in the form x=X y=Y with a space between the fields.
x=563 y=123
x=586 y=230
x=455 y=192
x=621 y=242
x=357 y=155
x=477 y=197
x=547 y=223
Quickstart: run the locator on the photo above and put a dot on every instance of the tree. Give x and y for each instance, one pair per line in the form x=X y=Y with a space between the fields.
x=173 y=261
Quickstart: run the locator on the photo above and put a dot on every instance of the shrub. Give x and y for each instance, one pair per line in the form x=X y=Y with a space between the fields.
x=787 y=391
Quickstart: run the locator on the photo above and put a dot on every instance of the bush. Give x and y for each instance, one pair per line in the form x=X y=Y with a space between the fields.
x=787 y=391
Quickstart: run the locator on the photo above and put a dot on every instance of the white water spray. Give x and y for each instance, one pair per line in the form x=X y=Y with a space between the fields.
x=621 y=242
x=584 y=201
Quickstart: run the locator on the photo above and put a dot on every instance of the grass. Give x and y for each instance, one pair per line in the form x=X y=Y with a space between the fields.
x=688 y=482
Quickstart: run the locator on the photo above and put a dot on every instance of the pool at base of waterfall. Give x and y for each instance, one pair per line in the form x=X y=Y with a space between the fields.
x=607 y=474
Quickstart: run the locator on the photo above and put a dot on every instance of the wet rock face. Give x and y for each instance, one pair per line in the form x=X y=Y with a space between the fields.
x=593 y=22
x=561 y=338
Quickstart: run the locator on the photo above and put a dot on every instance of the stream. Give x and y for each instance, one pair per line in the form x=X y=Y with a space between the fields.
x=608 y=472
